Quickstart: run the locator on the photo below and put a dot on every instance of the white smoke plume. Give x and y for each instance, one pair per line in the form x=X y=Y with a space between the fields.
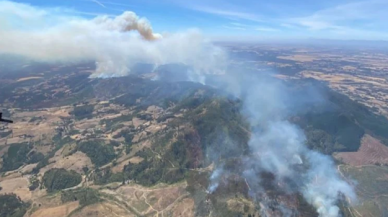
x=215 y=179
x=128 y=21
x=56 y=35
x=278 y=146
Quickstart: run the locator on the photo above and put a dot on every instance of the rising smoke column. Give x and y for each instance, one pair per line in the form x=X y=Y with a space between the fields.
x=115 y=43
x=278 y=147
x=129 y=21
x=54 y=35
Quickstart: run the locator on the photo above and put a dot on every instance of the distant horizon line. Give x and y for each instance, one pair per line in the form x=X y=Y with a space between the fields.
x=240 y=38
x=308 y=41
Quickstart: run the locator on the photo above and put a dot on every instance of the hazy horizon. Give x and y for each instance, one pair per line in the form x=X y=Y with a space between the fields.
x=238 y=20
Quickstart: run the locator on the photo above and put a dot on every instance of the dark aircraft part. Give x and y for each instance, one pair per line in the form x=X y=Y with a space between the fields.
x=4 y=120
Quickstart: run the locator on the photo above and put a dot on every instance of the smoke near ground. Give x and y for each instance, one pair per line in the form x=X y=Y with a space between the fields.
x=118 y=43
x=278 y=147
x=114 y=43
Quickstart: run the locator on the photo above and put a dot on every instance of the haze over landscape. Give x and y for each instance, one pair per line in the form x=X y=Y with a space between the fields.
x=195 y=108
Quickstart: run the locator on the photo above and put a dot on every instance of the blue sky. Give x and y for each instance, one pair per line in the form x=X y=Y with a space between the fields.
x=248 y=19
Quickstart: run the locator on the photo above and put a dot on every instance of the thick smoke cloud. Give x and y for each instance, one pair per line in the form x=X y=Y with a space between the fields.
x=56 y=35
x=278 y=146
x=128 y=21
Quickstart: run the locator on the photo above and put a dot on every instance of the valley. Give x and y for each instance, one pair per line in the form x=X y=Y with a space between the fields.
x=131 y=146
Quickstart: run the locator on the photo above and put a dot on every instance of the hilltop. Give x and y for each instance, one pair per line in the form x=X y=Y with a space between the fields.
x=138 y=147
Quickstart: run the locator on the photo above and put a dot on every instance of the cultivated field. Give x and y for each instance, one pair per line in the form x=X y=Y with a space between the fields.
x=371 y=152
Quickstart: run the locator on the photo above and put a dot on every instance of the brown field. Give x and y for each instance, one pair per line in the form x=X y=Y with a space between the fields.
x=157 y=200
x=11 y=175
x=74 y=162
x=86 y=124
x=18 y=186
x=185 y=208
x=58 y=211
x=368 y=90
x=136 y=160
x=120 y=166
x=333 y=78
x=370 y=187
x=27 y=168
x=239 y=204
x=370 y=152
x=104 y=210
x=298 y=58
x=137 y=122
x=42 y=129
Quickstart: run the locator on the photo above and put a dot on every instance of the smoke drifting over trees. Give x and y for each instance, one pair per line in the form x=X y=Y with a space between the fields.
x=276 y=145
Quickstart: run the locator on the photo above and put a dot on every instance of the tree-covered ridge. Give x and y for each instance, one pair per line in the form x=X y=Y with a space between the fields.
x=84 y=111
x=99 y=153
x=196 y=121
x=216 y=120
x=85 y=196
x=339 y=123
x=189 y=137
x=19 y=154
x=134 y=91
x=29 y=94
x=12 y=206
x=58 y=179
x=363 y=116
